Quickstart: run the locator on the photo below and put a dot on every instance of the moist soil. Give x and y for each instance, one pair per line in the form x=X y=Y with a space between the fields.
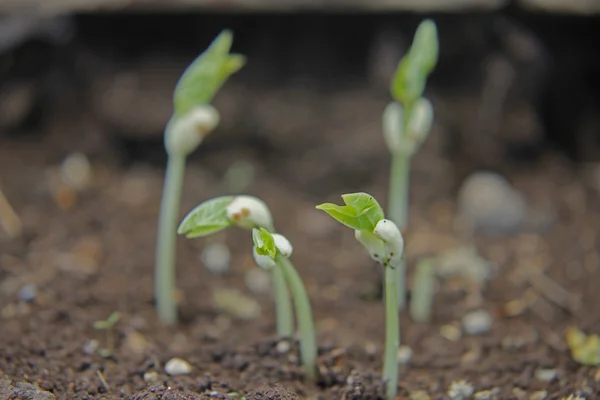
x=90 y=253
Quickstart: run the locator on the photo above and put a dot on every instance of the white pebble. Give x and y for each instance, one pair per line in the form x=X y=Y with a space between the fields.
x=283 y=346
x=258 y=280
x=177 y=366
x=477 y=322
x=76 y=171
x=489 y=204
x=546 y=375
x=460 y=390
x=216 y=258
x=404 y=355
x=150 y=377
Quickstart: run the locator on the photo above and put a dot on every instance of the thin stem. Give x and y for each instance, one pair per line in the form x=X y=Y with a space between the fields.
x=283 y=305
x=392 y=333
x=398 y=210
x=398 y=194
x=421 y=300
x=164 y=284
x=308 y=343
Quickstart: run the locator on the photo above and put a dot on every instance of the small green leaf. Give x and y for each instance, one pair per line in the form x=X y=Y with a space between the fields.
x=408 y=84
x=205 y=76
x=99 y=325
x=207 y=218
x=114 y=318
x=264 y=242
x=361 y=212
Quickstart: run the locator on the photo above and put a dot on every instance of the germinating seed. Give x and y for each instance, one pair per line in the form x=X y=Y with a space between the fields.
x=216 y=257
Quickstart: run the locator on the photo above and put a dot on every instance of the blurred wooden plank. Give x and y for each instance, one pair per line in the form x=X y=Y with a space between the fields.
x=583 y=7
x=69 y=6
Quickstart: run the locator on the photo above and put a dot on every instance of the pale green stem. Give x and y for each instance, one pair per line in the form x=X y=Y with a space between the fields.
x=164 y=274
x=398 y=210
x=392 y=333
x=423 y=286
x=283 y=304
x=306 y=326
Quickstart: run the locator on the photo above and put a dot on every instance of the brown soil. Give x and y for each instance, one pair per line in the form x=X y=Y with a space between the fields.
x=96 y=257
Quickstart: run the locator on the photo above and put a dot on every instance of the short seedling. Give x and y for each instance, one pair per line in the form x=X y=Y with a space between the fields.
x=247 y=212
x=406 y=124
x=384 y=242
x=9 y=218
x=423 y=291
x=193 y=118
x=107 y=325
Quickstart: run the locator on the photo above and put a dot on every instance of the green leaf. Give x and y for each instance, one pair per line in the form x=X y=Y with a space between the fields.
x=114 y=318
x=264 y=242
x=408 y=84
x=205 y=76
x=207 y=218
x=361 y=212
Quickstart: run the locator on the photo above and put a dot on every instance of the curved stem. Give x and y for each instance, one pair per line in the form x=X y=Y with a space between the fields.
x=164 y=274
x=308 y=343
x=392 y=333
x=283 y=304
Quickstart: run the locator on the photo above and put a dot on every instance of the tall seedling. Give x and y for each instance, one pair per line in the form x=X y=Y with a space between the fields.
x=406 y=124
x=193 y=118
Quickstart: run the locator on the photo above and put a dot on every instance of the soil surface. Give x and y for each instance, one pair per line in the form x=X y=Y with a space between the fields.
x=88 y=254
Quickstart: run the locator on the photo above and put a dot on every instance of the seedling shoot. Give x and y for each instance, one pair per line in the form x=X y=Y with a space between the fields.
x=406 y=124
x=193 y=119
x=107 y=325
x=383 y=240
x=247 y=212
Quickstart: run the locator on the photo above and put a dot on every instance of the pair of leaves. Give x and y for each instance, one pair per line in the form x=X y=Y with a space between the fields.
x=264 y=243
x=205 y=76
x=409 y=81
x=207 y=218
x=360 y=212
x=108 y=322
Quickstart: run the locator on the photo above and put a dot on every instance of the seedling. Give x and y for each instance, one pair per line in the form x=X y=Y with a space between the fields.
x=271 y=252
x=107 y=325
x=406 y=124
x=193 y=119
x=247 y=212
x=423 y=290
x=383 y=240
x=9 y=218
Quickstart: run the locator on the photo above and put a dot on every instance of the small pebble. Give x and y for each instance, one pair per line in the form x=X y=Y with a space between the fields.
x=177 y=366
x=136 y=342
x=519 y=393
x=76 y=171
x=216 y=257
x=451 y=332
x=539 y=395
x=236 y=303
x=464 y=263
x=28 y=293
x=489 y=204
x=486 y=394
x=90 y=347
x=151 y=377
x=283 y=346
x=546 y=375
x=460 y=390
x=419 y=395
x=258 y=281
x=477 y=322
x=404 y=355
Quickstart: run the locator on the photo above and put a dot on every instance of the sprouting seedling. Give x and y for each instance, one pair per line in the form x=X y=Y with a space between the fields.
x=406 y=124
x=192 y=120
x=272 y=252
x=383 y=240
x=107 y=325
x=423 y=291
x=246 y=212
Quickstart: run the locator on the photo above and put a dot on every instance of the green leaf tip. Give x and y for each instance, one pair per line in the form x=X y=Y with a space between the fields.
x=207 y=218
x=361 y=211
x=207 y=73
x=408 y=83
x=264 y=243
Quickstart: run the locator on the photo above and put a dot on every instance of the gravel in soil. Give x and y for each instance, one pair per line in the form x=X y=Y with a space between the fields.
x=94 y=256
